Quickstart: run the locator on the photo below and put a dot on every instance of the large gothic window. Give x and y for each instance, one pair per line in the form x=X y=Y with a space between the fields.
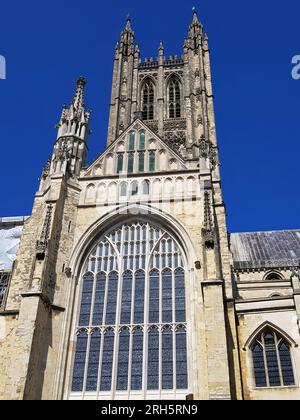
x=131 y=329
x=174 y=92
x=272 y=360
x=148 y=100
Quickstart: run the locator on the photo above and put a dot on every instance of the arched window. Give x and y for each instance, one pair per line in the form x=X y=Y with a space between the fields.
x=272 y=360
x=120 y=164
x=142 y=140
x=273 y=276
x=146 y=187
x=123 y=189
x=174 y=97
x=148 y=100
x=134 y=188
x=131 y=328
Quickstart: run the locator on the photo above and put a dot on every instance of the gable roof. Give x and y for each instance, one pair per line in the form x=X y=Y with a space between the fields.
x=266 y=249
x=133 y=125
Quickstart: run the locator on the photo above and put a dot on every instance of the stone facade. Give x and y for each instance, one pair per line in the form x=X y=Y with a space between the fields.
x=172 y=180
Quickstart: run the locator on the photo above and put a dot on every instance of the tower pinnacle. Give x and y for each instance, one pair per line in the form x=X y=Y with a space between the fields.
x=128 y=22
x=78 y=100
x=75 y=120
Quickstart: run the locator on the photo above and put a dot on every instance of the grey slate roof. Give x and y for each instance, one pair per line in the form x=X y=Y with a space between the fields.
x=266 y=249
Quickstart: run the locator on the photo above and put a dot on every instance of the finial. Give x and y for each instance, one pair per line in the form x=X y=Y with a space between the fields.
x=195 y=14
x=78 y=100
x=81 y=82
x=128 y=22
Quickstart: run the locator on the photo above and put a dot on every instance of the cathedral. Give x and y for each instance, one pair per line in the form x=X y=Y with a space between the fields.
x=124 y=283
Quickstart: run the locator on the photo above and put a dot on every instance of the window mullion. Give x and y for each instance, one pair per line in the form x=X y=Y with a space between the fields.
x=174 y=360
x=130 y=360
x=278 y=360
x=265 y=360
x=86 y=363
x=146 y=313
x=160 y=331
x=173 y=297
x=100 y=362
x=117 y=326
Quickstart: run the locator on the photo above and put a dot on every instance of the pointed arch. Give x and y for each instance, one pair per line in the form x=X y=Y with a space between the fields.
x=271 y=354
x=125 y=334
x=268 y=325
x=148 y=99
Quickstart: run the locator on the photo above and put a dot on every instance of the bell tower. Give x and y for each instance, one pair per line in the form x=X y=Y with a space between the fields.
x=173 y=95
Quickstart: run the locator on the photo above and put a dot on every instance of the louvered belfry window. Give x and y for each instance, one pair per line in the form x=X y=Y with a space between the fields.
x=148 y=100
x=131 y=330
x=174 y=98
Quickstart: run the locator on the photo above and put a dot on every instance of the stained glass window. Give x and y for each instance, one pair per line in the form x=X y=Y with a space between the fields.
x=142 y=140
x=181 y=358
x=126 y=298
x=153 y=359
x=134 y=188
x=80 y=359
x=123 y=360
x=86 y=301
x=99 y=299
x=152 y=161
x=167 y=289
x=112 y=295
x=131 y=145
x=272 y=361
x=120 y=163
x=107 y=360
x=141 y=161
x=154 y=297
x=137 y=359
x=167 y=358
x=139 y=297
x=93 y=364
x=130 y=163
x=144 y=350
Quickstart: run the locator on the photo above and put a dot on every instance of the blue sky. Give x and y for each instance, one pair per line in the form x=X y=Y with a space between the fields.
x=47 y=45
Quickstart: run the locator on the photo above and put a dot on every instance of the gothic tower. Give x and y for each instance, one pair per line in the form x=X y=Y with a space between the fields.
x=122 y=288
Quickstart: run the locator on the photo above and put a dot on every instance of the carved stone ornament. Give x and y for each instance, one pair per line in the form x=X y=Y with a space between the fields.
x=46 y=169
x=68 y=272
x=42 y=243
x=176 y=140
x=121 y=126
x=208 y=231
x=199 y=121
x=208 y=151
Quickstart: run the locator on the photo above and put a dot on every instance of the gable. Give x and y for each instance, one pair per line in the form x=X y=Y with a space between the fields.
x=137 y=150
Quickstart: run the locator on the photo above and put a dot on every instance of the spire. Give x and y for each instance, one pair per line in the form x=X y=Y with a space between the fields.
x=74 y=120
x=127 y=38
x=78 y=100
x=195 y=31
x=195 y=15
x=128 y=23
